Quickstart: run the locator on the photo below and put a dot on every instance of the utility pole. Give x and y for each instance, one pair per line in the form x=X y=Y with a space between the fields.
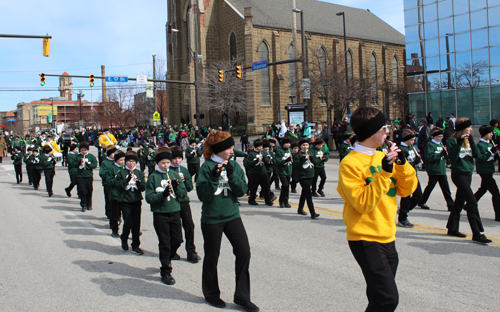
x=103 y=75
x=154 y=88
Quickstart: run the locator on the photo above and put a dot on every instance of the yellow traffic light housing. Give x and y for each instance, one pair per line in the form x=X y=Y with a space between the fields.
x=221 y=76
x=46 y=47
x=238 y=71
x=91 y=77
x=42 y=79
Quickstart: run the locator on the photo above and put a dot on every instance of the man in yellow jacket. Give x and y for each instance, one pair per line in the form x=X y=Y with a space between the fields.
x=369 y=181
x=53 y=145
x=107 y=139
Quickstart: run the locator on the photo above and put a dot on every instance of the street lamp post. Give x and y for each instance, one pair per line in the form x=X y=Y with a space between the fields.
x=345 y=57
x=195 y=56
x=155 y=105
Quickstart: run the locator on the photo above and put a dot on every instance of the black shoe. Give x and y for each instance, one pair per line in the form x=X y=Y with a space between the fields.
x=294 y=191
x=314 y=194
x=253 y=203
x=247 y=305
x=17 y=182
x=194 y=258
x=216 y=302
x=481 y=239
x=67 y=192
x=277 y=188
x=168 y=279
x=137 y=251
x=302 y=212
x=124 y=244
x=115 y=234
x=51 y=194
x=456 y=234
x=83 y=209
x=269 y=203
x=282 y=205
x=176 y=257
x=315 y=216
x=287 y=205
x=36 y=187
x=321 y=193
x=30 y=183
x=89 y=208
x=424 y=206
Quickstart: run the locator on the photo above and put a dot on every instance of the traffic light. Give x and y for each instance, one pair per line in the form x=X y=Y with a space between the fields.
x=46 y=47
x=238 y=71
x=42 y=79
x=91 y=77
x=221 y=76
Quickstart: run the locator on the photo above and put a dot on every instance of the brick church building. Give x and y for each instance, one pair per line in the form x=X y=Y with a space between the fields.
x=254 y=30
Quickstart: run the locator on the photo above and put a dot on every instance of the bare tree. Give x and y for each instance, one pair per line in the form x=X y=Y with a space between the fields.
x=119 y=109
x=228 y=97
x=161 y=93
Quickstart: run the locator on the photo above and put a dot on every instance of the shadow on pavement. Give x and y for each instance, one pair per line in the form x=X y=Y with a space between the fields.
x=290 y=214
x=107 y=249
x=82 y=225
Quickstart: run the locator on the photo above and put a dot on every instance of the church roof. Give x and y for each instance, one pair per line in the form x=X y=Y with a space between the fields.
x=319 y=17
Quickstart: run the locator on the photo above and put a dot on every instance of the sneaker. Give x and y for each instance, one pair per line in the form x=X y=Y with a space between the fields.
x=176 y=257
x=315 y=216
x=405 y=223
x=168 y=279
x=456 y=234
x=216 y=302
x=67 y=192
x=424 y=206
x=253 y=203
x=314 y=194
x=137 y=251
x=321 y=193
x=115 y=234
x=124 y=244
x=247 y=305
x=83 y=209
x=194 y=258
x=294 y=191
x=287 y=205
x=481 y=239
x=89 y=208
x=277 y=188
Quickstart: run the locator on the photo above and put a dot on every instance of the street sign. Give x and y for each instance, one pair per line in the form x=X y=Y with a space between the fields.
x=156 y=116
x=116 y=79
x=149 y=89
x=141 y=79
x=11 y=120
x=259 y=65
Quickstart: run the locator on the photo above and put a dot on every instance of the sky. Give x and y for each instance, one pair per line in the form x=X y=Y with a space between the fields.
x=120 y=34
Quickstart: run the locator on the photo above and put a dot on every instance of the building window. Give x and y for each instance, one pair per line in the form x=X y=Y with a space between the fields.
x=265 y=92
x=350 y=64
x=292 y=83
x=395 y=73
x=373 y=77
x=322 y=60
x=232 y=47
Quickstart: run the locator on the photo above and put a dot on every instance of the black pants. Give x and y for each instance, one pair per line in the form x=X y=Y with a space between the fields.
x=285 y=189
x=193 y=170
x=237 y=236
x=464 y=196
x=445 y=188
x=306 y=195
x=488 y=184
x=85 y=189
x=273 y=177
x=293 y=183
x=253 y=185
x=151 y=169
x=379 y=263
x=408 y=203
x=30 y=174
x=65 y=157
x=107 y=202
x=244 y=146
x=131 y=221
x=115 y=215
x=188 y=226
x=319 y=172
x=19 y=173
x=169 y=232
x=37 y=176
x=49 y=179
x=72 y=178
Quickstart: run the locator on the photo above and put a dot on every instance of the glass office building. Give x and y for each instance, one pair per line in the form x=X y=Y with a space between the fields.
x=453 y=58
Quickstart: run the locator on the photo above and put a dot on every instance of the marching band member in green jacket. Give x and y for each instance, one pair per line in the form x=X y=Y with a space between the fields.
x=164 y=190
x=85 y=163
x=284 y=163
x=114 y=193
x=219 y=185
x=26 y=160
x=304 y=159
x=17 y=156
x=36 y=168
x=72 y=168
x=321 y=156
x=485 y=167
x=193 y=155
x=48 y=166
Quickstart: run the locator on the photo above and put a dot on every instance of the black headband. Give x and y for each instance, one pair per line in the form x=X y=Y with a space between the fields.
x=111 y=151
x=119 y=155
x=131 y=157
x=222 y=145
x=177 y=153
x=286 y=140
x=370 y=127
x=408 y=137
x=164 y=155
x=463 y=125
x=440 y=132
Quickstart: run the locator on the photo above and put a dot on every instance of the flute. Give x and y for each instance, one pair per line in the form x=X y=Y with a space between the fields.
x=173 y=193
x=389 y=146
